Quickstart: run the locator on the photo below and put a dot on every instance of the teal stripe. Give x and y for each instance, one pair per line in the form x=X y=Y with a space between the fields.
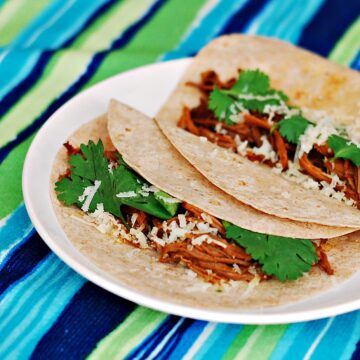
x=350 y=345
x=331 y=345
x=14 y=231
x=209 y=27
x=287 y=339
x=49 y=30
x=218 y=342
x=284 y=19
x=29 y=309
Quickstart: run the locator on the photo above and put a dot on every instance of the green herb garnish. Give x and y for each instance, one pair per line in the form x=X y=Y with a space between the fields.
x=284 y=258
x=293 y=127
x=251 y=84
x=92 y=165
x=344 y=149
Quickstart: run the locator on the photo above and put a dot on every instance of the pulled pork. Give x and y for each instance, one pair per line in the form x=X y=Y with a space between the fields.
x=201 y=121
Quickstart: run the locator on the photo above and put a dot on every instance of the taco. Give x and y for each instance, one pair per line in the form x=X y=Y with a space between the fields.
x=273 y=126
x=126 y=219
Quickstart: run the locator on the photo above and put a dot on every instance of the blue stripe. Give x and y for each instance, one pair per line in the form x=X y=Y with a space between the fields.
x=301 y=343
x=22 y=260
x=29 y=309
x=241 y=19
x=281 y=19
x=16 y=229
x=148 y=345
x=94 y=64
x=356 y=62
x=329 y=25
x=350 y=345
x=283 y=345
x=209 y=27
x=15 y=67
x=23 y=69
x=16 y=226
x=167 y=348
x=219 y=341
x=187 y=340
x=332 y=344
x=97 y=310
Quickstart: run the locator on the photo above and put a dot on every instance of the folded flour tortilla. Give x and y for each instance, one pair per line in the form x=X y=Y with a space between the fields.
x=140 y=269
x=309 y=80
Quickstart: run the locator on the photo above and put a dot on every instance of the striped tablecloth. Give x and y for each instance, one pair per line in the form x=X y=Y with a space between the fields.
x=51 y=50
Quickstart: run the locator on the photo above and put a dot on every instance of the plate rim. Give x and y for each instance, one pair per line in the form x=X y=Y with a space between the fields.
x=131 y=294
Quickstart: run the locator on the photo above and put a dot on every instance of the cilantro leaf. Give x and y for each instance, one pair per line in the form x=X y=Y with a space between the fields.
x=220 y=103
x=251 y=91
x=292 y=128
x=344 y=149
x=93 y=165
x=253 y=82
x=284 y=258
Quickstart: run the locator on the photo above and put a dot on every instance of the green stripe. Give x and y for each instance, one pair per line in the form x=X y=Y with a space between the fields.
x=15 y=15
x=63 y=69
x=137 y=326
x=10 y=178
x=152 y=40
x=264 y=343
x=126 y=13
x=348 y=46
x=106 y=26
x=239 y=342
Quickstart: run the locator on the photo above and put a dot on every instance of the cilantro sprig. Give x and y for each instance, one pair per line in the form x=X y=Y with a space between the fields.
x=293 y=127
x=284 y=258
x=251 y=83
x=92 y=165
x=344 y=149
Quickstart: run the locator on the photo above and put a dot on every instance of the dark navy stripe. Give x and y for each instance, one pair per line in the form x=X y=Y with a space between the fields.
x=174 y=340
x=91 y=315
x=241 y=19
x=328 y=25
x=124 y=39
x=356 y=354
x=153 y=339
x=28 y=82
x=22 y=260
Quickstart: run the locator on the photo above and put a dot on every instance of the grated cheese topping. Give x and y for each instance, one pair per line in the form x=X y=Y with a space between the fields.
x=88 y=195
x=317 y=134
x=266 y=150
x=126 y=194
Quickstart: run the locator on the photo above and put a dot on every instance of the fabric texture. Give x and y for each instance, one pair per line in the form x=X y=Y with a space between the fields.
x=49 y=51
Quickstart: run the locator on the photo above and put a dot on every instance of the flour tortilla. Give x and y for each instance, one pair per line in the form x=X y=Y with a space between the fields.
x=148 y=152
x=140 y=269
x=309 y=80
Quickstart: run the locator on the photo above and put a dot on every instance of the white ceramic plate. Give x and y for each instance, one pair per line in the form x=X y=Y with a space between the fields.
x=145 y=89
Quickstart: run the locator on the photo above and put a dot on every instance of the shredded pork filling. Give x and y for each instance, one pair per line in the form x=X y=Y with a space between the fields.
x=253 y=133
x=192 y=238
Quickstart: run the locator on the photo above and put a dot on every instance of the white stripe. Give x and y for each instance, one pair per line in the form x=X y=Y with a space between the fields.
x=157 y=350
x=318 y=339
x=50 y=22
x=208 y=330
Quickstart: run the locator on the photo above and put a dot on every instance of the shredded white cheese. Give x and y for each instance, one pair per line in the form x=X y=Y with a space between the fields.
x=126 y=194
x=317 y=134
x=88 y=195
x=203 y=139
x=266 y=150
